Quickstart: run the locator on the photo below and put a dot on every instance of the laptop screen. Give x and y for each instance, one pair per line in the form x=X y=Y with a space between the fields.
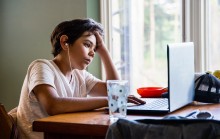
x=180 y=58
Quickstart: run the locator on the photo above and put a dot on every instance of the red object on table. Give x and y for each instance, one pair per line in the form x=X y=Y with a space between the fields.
x=151 y=92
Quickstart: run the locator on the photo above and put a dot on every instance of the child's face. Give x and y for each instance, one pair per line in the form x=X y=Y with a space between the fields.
x=82 y=51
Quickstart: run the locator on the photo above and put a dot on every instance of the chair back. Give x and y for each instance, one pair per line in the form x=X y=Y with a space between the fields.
x=8 y=128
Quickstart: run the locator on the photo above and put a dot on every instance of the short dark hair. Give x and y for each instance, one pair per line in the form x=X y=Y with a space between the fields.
x=74 y=29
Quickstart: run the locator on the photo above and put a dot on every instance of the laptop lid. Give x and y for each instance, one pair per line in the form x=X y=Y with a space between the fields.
x=180 y=59
x=180 y=74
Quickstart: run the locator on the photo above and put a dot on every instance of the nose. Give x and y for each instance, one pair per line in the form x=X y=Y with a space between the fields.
x=92 y=53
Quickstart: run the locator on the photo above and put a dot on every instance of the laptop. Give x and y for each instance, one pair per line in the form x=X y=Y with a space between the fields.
x=180 y=59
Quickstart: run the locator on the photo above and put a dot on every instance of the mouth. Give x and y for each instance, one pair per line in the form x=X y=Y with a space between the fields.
x=87 y=61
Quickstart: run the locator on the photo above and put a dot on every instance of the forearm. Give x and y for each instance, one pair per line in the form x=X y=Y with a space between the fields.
x=111 y=72
x=66 y=105
x=110 y=69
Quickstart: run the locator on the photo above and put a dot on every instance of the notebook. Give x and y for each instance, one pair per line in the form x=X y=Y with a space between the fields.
x=180 y=59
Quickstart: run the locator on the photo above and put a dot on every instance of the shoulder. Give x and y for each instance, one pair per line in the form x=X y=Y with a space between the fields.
x=40 y=63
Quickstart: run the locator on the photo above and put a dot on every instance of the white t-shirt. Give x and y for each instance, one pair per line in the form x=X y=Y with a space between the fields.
x=46 y=72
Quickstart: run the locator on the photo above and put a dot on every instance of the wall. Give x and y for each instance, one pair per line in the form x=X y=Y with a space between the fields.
x=94 y=12
x=25 y=27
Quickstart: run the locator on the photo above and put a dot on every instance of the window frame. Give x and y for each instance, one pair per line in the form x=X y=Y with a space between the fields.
x=197 y=32
x=194 y=28
x=106 y=20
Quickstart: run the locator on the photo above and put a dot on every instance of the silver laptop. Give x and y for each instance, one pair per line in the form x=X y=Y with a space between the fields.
x=180 y=59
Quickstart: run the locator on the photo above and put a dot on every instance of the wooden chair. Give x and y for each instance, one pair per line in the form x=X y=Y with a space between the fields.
x=8 y=128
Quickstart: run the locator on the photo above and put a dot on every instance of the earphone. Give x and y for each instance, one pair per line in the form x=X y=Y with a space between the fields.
x=66 y=44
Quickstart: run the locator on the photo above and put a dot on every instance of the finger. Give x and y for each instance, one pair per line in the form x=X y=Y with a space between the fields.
x=133 y=101
x=98 y=38
x=136 y=99
x=98 y=33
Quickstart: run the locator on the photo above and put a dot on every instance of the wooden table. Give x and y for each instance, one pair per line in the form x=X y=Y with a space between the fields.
x=94 y=124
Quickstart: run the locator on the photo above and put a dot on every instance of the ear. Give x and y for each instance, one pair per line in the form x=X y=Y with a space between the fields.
x=63 y=42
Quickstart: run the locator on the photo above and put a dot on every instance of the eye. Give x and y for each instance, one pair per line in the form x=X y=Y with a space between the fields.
x=87 y=45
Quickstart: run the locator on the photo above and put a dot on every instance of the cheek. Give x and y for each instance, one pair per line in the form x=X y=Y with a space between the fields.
x=84 y=50
x=81 y=51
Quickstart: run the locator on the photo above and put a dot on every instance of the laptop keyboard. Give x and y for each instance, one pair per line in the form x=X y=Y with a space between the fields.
x=153 y=104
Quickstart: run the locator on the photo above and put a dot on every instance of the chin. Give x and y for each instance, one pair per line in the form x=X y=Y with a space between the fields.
x=82 y=67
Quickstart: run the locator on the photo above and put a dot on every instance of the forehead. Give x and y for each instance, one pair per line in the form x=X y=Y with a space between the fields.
x=89 y=36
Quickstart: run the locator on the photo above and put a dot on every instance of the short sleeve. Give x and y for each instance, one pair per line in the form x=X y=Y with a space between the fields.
x=90 y=80
x=39 y=73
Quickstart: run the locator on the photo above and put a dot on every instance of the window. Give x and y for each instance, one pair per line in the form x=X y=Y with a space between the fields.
x=202 y=19
x=140 y=31
x=213 y=14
